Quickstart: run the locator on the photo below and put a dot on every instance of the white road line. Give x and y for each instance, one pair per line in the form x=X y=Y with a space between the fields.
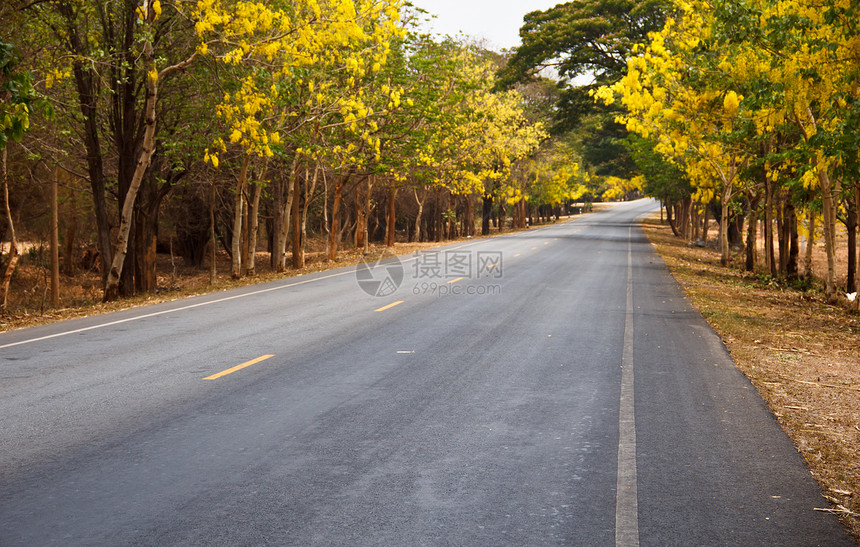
x=626 y=496
x=172 y=310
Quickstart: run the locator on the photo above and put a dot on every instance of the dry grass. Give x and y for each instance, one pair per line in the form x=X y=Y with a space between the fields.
x=799 y=352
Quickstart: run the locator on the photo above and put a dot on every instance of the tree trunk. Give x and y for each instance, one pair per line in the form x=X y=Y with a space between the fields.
x=725 y=254
x=246 y=226
x=782 y=230
x=146 y=239
x=769 y=256
x=69 y=255
x=686 y=205
x=85 y=84
x=516 y=216
x=306 y=204
x=296 y=221
x=728 y=189
x=752 y=235
x=486 y=212
x=145 y=233
x=671 y=220
x=470 y=215
x=361 y=215
x=857 y=270
x=524 y=218
x=286 y=215
x=391 y=223
x=810 y=245
x=277 y=220
x=736 y=230
x=55 y=241
x=334 y=231
x=434 y=223
x=678 y=210
x=326 y=225
x=450 y=218
x=213 y=242
x=695 y=223
x=851 y=226
x=13 y=241
x=112 y=287
x=254 y=226
x=238 y=207
x=416 y=233
x=793 y=243
x=829 y=189
x=360 y=238
x=281 y=217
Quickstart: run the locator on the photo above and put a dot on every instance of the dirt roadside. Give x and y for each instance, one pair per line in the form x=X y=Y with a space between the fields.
x=801 y=354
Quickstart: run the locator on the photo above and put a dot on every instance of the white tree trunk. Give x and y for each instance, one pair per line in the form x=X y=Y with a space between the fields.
x=828 y=190
x=283 y=226
x=147 y=150
x=236 y=246
x=254 y=224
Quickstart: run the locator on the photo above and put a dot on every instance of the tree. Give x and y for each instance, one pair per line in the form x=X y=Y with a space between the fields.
x=585 y=42
x=664 y=180
x=16 y=105
x=677 y=91
x=306 y=87
x=116 y=54
x=582 y=39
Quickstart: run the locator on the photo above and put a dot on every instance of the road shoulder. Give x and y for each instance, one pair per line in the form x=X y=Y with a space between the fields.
x=799 y=353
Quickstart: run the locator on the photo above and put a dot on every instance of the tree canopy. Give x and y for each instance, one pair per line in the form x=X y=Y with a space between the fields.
x=754 y=96
x=581 y=41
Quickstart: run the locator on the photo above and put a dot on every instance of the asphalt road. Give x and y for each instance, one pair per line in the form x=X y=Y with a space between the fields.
x=544 y=388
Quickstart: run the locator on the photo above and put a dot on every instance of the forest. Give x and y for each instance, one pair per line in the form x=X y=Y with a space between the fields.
x=246 y=129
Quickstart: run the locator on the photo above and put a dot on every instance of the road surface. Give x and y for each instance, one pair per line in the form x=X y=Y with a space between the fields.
x=550 y=387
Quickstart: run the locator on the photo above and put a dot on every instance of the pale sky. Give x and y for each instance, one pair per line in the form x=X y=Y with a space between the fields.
x=497 y=21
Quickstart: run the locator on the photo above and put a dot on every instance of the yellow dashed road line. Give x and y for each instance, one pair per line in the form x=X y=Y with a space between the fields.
x=238 y=367
x=388 y=307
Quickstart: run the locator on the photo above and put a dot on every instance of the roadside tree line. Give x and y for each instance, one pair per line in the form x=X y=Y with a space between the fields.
x=751 y=106
x=247 y=126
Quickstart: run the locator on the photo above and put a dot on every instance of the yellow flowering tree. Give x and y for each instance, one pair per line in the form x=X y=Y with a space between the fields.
x=477 y=134
x=805 y=55
x=677 y=93
x=618 y=188
x=723 y=83
x=16 y=105
x=309 y=63
x=549 y=178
